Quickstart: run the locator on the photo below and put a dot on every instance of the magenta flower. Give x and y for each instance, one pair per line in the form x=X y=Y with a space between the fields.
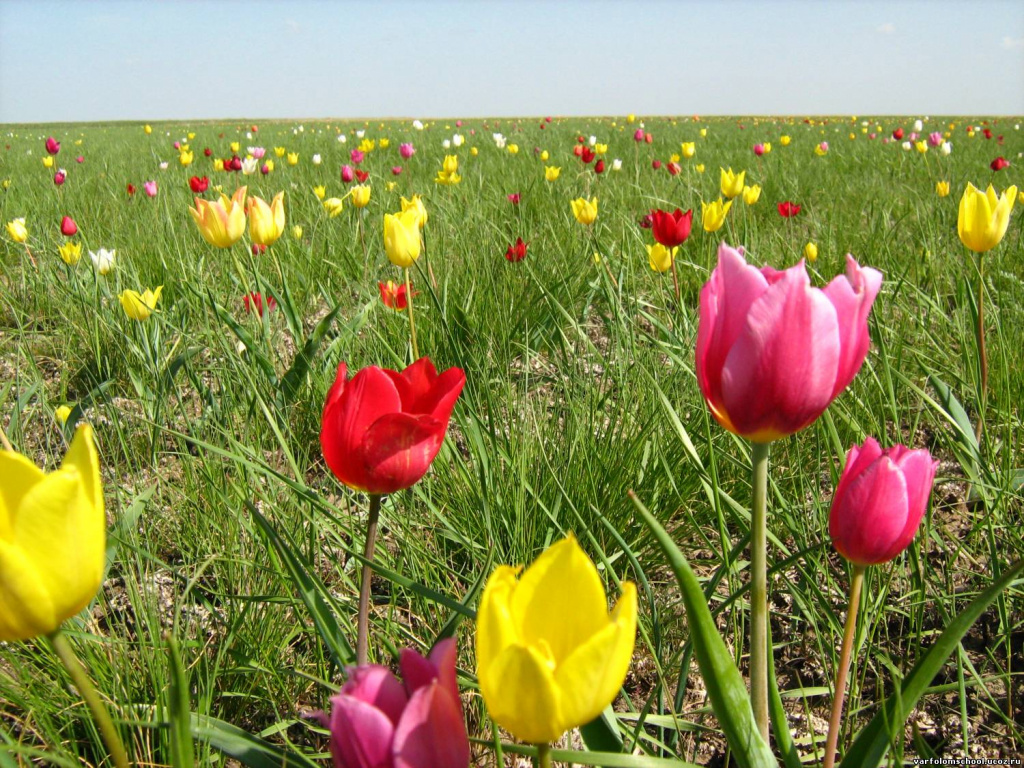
x=639 y=135
x=357 y=156
x=772 y=351
x=59 y=177
x=80 y=159
x=378 y=722
x=935 y=138
x=347 y=173
x=514 y=198
x=406 y=150
x=759 y=149
x=880 y=500
x=150 y=188
x=52 y=146
x=396 y=170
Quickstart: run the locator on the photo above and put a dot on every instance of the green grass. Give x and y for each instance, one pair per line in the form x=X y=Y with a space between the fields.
x=579 y=389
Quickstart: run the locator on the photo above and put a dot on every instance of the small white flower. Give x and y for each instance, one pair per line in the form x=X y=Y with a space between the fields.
x=342 y=138
x=918 y=126
x=499 y=140
x=616 y=164
x=417 y=125
x=446 y=144
x=316 y=159
x=302 y=129
x=458 y=139
x=946 y=148
x=248 y=135
x=360 y=133
x=907 y=145
x=163 y=166
x=593 y=141
x=250 y=165
x=241 y=347
x=103 y=260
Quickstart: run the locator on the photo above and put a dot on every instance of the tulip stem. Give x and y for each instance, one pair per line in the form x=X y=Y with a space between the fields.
x=92 y=698
x=983 y=357
x=675 y=282
x=412 y=323
x=362 y=629
x=759 y=650
x=543 y=756
x=844 y=666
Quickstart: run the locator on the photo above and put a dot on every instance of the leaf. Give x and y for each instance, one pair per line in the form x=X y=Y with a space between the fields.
x=602 y=734
x=312 y=591
x=600 y=759
x=248 y=749
x=253 y=350
x=725 y=685
x=957 y=415
x=296 y=375
x=872 y=743
x=179 y=710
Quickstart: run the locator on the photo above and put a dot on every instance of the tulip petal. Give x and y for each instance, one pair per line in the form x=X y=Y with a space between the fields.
x=26 y=609
x=522 y=697
x=431 y=733
x=881 y=493
x=418 y=672
x=591 y=677
x=852 y=295
x=361 y=735
x=19 y=475
x=919 y=473
x=397 y=450
x=779 y=375
x=561 y=582
x=495 y=628
x=377 y=686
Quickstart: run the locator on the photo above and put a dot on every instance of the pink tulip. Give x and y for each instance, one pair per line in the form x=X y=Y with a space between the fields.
x=458 y=123
x=913 y=136
x=150 y=188
x=639 y=135
x=259 y=152
x=379 y=722
x=406 y=151
x=759 y=149
x=357 y=156
x=879 y=502
x=52 y=146
x=59 y=177
x=68 y=227
x=177 y=145
x=773 y=352
x=396 y=170
x=935 y=138
x=347 y=173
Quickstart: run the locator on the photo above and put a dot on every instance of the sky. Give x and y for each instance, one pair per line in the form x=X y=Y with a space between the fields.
x=97 y=60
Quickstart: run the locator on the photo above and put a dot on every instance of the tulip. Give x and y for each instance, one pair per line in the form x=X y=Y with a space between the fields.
x=639 y=135
x=784 y=140
x=140 y=306
x=103 y=260
x=406 y=150
x=983 y=217
x=347 y=173
x=393 y=296
x=416 y=204
x=584 y=210
x=361 y=176
x=700 y=167
x=999 y=163
x=946 y=149
x=250 y=166
x=185 y=158
x=221 y=223
x=360 y=195
x=446 y=178
x=935 y=138
x=70 y=252
x=550 y=656
x=357 y=156
x=317 y=159
x=52 y=146
x=551 y=172
x=266 y=222
x=822 y=149
x=942 y=188
x=788 y=210
x=382 y=429
x=898 y=134
x=656 y=164
x=671 y=229
x=689 y=149
x=198 y=185
x=68 y=228
x=293 y=158
x=751 y=194
x=17 y=230
x=661 y=257
x=732 y=183
x=402 y=237
x=60 y=177
x=759 y=149
x=279 y=151
x=53 y=540
x=62 y=413
x=516 y=251
x=545 y=156
x=713 y=215
x=253 y=302
x=320 y=192
x=599 y=167
x=150 y=188
x=773 y=352
x=378 y=722
x=811 y=252
x=334 y=206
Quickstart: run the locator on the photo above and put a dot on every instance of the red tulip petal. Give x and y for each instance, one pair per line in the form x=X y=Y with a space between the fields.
x=361 y=735
x=869 y=522
x=397 y=450
x=431 y=733
x=414 y=382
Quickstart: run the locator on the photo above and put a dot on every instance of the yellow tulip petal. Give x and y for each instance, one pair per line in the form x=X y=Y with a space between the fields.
x=521 y=695
x=561 y=583
x=26 y=610
x=590 y=678
x=82 y=455
x=19 y=475
x=495 y=629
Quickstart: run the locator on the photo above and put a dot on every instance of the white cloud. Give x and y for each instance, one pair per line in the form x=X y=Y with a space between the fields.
x=1010 y=43
x=886 y=29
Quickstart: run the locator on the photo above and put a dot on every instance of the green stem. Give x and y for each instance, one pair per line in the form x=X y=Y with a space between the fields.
x=362 y=628
x=543 y=759
x=844 y=666
x=675 y=283
x=983 y=357
x=92 y=698
x=759 y=650
x=412 y=323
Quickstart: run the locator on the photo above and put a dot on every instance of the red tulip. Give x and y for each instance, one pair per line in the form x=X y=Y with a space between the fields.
x=656 y=164
x=587 y=154
x=68 y=228
x=773 y=352
x=265 y=169
x=648 y=138
x=898 y=134
x=130 y=189
x=514 y=198
x=516 y=251
x=80 y=159
x=379 y=722
x=59 y=177
x=258 y=248
x=234 y=164
x=578 y=150
x=673 y=168
x=671 y=229
x=208 y=152
x=880 y=500
x=599 y=166
x=999 y=163
x=382 y=429
x=788 y=210
x=647 y=220
x=394 y=296
x=199 y=184
x=254 y=303
x=759 y=149
x=362 y=176
x=396 y=170
x=52 y=146
x=987 y=133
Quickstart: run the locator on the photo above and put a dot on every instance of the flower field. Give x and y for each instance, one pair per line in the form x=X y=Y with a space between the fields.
x=626 y=441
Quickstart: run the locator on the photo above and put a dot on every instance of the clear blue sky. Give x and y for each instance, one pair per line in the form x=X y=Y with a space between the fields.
x=150 y=59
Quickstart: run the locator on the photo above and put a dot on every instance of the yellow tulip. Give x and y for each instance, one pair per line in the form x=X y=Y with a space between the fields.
x=984 y=217
x=218 y=164
x=279 y=151
x=513 y=149
x=391 y=186
x=221 y=223
x=402 y=237
x=384 y=143
x=767 y=147
x=1020 y=198
x=320 y=192
x=443 y=177
x=942 y=188
x=17 y=230
x=148 y=129
x=266 y=222
x=674 y=158
x=712 y=215
x=334 y=206
x=751 y=194
x=703 y=132
x=269 y=165
x=417 y=205
x=139 y=306
x=61 y=414
x=48 y=162
x=660 y=257
x=784 y=140
x=366 y=145
x=297 y=232
x=185 y=158
x=689 y=149
x=811 y=252
x=70 y=253
x=52 y=539
x=549 y=654
x=630 y=118
x=293 y=158
x=700 y=167
x=451 y=163
x=921 y=146
x=235 y=146
x=191 y=135
x=6 y=183
x=732 y=183
x=551 y=172
x=584 y=210
x=360 y=195
x=544 y=156
x=600 y=149
x=474 y=151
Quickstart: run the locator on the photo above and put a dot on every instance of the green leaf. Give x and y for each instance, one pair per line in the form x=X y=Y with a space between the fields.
x=725 y=685
x=601 y=759
x=312 y=591
x=248 y=749
x=957 y=415
x=872 y=743
x=179 y=710
x=296 y=374
x=602 y=734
